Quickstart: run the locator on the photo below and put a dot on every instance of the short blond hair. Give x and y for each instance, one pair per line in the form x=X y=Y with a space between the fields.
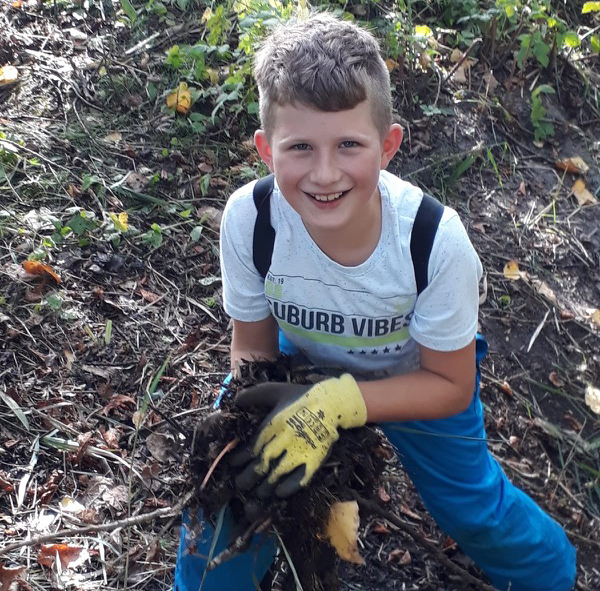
x=324 y=63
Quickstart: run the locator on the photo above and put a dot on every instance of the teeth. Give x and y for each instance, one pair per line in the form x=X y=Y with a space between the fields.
x=329 y=197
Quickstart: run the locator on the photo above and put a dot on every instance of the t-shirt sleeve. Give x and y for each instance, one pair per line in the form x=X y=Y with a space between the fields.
x=243 y=287
x=445 y=315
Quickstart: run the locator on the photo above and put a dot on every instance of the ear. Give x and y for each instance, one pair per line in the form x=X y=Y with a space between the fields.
x=391 y=143
x=263 y=147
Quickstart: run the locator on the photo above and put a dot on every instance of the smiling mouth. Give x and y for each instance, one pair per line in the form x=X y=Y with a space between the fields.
x=325 y=198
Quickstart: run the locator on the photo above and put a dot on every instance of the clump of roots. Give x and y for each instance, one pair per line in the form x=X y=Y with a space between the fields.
x=353 y=468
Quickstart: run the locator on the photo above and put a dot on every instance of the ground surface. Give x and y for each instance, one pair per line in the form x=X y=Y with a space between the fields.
x=134 y=334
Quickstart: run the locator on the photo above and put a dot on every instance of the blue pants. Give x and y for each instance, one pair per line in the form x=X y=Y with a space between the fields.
x=511 y=539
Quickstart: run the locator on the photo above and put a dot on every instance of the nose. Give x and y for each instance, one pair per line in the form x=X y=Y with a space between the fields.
x=325 y=171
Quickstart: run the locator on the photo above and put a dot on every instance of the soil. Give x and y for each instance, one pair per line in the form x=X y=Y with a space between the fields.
x=105 y=374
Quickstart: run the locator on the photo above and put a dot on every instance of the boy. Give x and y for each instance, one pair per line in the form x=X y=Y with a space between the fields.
x=341 y=290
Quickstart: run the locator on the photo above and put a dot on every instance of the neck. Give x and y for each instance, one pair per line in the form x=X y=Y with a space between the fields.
x=354 y=243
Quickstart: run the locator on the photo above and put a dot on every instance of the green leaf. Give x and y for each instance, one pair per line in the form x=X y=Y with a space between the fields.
x=595 y=43
x=129 y=10
x=16 y=409
x=542 y=51
x=185 y=213
x=88 y=181
x=196 y=233
x=80 y=224
x=571 y=39
x=590 y=7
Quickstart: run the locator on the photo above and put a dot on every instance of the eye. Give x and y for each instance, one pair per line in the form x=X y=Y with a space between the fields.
x=301 y=147
x=349 y=144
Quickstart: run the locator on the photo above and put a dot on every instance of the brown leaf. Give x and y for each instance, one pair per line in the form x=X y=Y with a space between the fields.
x=160 y=446
x=573 y=422
x=37 y=268
x=67 y=554
x=380 y=528
x=555 y=380
x=583 y=196
x=400 y=556
x=6 y=486
x=511 y=271
x=522 y=190
x=118 y=401
x=505 y=388
x=406 y=510
x=148 y=295
x=383 y=495
x=47 y=491
x=10 y=576
x=112 y=436
x=575 y=164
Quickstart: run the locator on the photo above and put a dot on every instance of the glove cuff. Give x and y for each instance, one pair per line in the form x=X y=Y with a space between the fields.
x=353 y=409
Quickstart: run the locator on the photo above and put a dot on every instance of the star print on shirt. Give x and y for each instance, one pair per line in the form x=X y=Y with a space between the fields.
x=386 y=350
x=351 y=352
x=363 y=352
x=398 y=348
x=374 y=351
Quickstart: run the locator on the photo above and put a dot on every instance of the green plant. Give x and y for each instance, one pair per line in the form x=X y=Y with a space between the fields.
x=542 y=128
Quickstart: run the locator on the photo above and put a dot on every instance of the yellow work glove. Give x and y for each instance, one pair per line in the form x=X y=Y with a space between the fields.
x=296 y=437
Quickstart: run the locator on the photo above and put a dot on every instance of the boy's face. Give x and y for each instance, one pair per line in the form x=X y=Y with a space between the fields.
x=327 y=163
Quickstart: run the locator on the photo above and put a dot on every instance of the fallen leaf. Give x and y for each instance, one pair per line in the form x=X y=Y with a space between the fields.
x=595 y=317
x=9 y=576
x=511 y=271
x=137 y=181
x=391 y=64
x=403 y=557
x=8 y=75
x=148 y=295
x=342 y=530
x=159 y=445
x=120 y=221
x=180 y=100
x=406 y=510
x=70 y=505
x=491 y=81
x=17 y=4
x=455 y=55
x=592 y=398
x=573 y=422
x=118 y=401
x=67 y=554
x=522 y=189
x=5 y=486
x=37 y=268
x=505 y=388
x=555 y=380
x=575 y=164
x=112 y=138
x=583 y=196
x=383 y=495
x=380 y=528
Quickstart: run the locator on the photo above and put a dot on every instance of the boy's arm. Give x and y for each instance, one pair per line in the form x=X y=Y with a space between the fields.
x=442 y=387
x=254 y=340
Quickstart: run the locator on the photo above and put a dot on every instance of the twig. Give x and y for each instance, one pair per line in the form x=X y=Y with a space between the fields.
x=226 y=449
x=112 y=525
x=375 y=508
x=240 y=544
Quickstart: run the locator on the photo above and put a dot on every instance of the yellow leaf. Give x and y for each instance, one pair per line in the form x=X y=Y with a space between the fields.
x=180 y=100
x=592 y=398
x=595 y=317
x=8 y=74
x=391 y=64
x=511 y=271
x=120 y=221
x=113 y=138
x=213 y=75
x=575 y=164
x=206 y=15
x=583 y=196
x=423 y=31
x=342 y=531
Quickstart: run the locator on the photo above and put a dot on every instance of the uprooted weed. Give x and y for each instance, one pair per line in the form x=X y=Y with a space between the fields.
x=354 y=467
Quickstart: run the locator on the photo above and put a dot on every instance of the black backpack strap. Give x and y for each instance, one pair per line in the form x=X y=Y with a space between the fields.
x=264 y=234
x=423 y=233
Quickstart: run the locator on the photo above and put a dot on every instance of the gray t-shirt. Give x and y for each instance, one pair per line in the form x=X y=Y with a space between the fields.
x=366 y=319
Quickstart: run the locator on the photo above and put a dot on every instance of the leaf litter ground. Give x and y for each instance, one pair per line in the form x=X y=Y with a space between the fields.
x=93 y=432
